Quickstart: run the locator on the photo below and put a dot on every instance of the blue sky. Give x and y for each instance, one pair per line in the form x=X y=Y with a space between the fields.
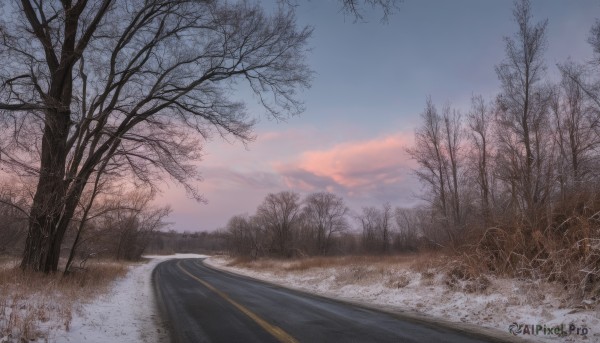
x=370 y=85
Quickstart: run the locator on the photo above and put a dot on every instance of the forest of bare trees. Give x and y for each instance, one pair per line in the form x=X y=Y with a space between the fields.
x=515 y=179
x=511 y=183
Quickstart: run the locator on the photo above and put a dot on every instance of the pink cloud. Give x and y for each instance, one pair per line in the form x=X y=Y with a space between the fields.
x=365 y=172
x=353 y=166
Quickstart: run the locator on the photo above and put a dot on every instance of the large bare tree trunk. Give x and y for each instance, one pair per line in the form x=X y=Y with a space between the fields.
x=48 y=203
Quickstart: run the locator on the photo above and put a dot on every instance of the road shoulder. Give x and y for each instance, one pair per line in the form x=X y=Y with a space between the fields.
x=494 y=335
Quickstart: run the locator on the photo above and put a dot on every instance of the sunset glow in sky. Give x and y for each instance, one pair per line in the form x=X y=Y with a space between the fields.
x=370 y=85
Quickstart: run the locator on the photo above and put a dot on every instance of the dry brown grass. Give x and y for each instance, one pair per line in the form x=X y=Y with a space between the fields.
x=561 y=248
x=307 y=263
x=332 y=262
x=33 y=304
x=566 y=257
x=393 y=271
x=468 y=278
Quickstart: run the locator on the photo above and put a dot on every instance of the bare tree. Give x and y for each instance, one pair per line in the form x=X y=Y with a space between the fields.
x=428 y=152
x=324 y=215
x=376 y=225
x=127 y=227
x=93 y=83
x=385 y=227
x=480 y=121
x=523 y=115
x=593 y=90
x=579 y=74
x=438 y=152
x=238 y=234
x=368 y=225
x=453 y=145
x=575 y=121
x=409 y=228
x=280 y=213
x=245 y=236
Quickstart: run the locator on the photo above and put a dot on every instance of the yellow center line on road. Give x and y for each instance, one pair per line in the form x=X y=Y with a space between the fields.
x=276 y=331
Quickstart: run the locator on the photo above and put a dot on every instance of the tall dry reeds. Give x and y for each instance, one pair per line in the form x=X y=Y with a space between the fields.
x=566 y=251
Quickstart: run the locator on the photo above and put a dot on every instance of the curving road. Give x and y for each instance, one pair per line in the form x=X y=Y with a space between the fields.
x=206 y=305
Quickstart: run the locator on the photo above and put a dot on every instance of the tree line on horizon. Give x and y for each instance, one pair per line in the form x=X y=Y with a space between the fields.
x=320 y=224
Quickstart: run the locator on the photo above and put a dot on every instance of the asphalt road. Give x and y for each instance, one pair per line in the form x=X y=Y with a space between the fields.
x=205 y=305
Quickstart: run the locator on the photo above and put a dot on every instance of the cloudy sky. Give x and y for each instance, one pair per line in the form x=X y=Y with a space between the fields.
x=371 y=82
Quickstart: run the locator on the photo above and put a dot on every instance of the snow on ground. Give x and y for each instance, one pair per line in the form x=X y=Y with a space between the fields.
x=502 y=303
x=128 y=313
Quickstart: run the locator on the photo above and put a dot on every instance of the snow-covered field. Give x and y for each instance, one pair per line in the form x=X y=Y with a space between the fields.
x=428 y=293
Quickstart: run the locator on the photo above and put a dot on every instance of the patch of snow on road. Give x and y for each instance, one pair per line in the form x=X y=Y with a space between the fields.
x=127 y=313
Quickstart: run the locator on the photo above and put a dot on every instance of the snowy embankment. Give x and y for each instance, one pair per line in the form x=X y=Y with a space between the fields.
x=496 y=303
x=128 y=313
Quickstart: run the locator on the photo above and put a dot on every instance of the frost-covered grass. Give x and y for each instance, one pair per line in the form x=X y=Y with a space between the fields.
x=32 y=305
x=110 y=302
x=431 y=285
